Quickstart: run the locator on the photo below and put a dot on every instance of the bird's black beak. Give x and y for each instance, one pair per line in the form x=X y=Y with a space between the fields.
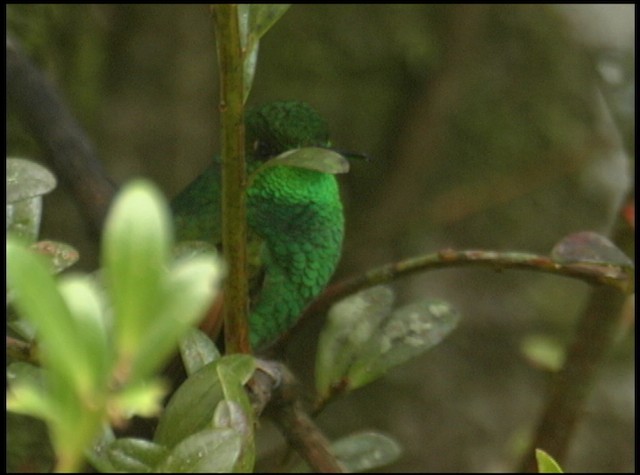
x=351 y=155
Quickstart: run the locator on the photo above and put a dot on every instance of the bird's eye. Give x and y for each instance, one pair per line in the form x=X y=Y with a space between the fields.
x=263 y=149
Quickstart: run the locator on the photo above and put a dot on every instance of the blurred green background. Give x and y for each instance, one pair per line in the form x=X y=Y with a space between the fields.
x=490 y=126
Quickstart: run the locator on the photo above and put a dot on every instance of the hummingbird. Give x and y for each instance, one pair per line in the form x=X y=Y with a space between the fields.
x=295 y=217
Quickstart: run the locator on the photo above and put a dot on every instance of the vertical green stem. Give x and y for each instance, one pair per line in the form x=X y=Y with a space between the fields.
x=234 y=223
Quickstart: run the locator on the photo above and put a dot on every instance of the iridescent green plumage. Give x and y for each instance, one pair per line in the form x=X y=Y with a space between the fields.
x=294 y=216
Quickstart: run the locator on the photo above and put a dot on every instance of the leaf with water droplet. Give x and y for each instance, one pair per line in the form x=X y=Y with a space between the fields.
x=231 y=415
x=350 y=325
x=366 y=451
x=410 y=331
x=587 y=247
x=236 y=407
x=192 y=406
x=135 y=455
x=207 y=451
x=197 y=350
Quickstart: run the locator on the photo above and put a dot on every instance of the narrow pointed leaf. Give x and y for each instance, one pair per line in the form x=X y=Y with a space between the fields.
x=38 y=300
x=262 y=16
x=546 y=463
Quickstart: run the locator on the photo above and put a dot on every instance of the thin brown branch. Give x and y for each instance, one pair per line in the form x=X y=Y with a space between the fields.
x=39 y=106
x=618 y=278
x=276 y=391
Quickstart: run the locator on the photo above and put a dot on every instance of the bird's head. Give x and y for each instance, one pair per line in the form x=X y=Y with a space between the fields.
x=277 y=127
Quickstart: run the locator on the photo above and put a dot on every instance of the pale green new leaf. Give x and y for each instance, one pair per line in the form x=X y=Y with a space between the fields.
x=189 y=290
x=135 y=250
x=546 y=463
x=38 y=300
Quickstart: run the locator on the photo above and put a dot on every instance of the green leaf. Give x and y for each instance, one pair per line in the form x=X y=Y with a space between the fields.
x=254 y=20
x=59 y=255
x=197 y=350
x=262 y=16
x=135 y=455
x=231 y=415
x=23 y=218
x=410 y=331
x=543 y=352
x=366 y=451
x=38 y=300
x=89 y=335
x=27 y=179
x=189 y=290
x=351 y=323
x=546 y=463
x=141 y=398
x=135 y=249
x=587 y=247
x=192 y=406
x=28 y=445
x=27 y=392
x=236 y=411
x=210 y=450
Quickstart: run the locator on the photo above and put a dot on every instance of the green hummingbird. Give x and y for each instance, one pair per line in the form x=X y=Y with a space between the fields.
x=294 y=215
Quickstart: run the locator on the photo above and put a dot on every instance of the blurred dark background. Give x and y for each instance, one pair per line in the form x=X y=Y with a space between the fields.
x=503 y=127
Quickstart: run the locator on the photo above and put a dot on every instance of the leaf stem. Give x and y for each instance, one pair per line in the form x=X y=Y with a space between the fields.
x=234 y=223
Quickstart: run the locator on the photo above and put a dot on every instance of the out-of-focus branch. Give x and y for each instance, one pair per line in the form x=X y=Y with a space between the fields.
x=571 y=387
x=39 y=105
